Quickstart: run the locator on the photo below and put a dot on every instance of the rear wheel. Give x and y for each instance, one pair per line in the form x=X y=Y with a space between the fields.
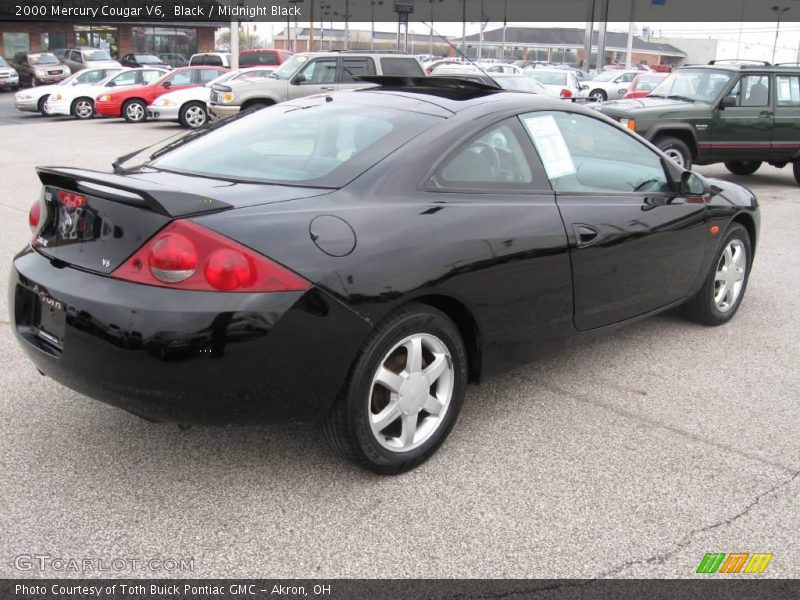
x=722 y=293
x=193 y=115
x=676 y=150
x=742 y=167
x=134 y=111
x=82 y=108
x=404 y=393
x=599 y=95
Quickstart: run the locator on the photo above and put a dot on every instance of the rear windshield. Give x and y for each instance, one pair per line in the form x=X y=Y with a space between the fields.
x=147 y=59
x=268 y=57
x=324 y=145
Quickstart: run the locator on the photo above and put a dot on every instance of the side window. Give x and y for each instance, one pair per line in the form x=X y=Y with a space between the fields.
x=627 y=78
x=354 y=67
x=127 y=78
x=494 y=159
x=788 y=90
x=207 y=75
x=318 y=71
x=402 y=67
x=181 y=78
x=151 y=76
x=90 y=77
x=77 y=56
x=752 y=90
x=584 y=154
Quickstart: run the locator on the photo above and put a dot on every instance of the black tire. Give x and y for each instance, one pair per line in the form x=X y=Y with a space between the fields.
x=348 y=428
x=191 y=120
x=702 y=308
x=742 y=167
x=79 y=110
x=134 y=111
x=796 y=170
x=41 y=103
x=600 y=95
x=671 y=145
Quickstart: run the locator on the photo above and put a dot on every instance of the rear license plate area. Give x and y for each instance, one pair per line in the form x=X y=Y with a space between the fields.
x=41 y=319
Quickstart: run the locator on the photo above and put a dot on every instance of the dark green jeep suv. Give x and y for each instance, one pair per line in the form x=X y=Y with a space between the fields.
x=738 y=114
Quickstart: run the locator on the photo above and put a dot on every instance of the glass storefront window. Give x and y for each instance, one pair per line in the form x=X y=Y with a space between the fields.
x=15 y=42
x=181 y=41
x=98 y=36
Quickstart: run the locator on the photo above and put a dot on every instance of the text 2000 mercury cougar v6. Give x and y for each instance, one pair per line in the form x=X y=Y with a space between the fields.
x=357 y=258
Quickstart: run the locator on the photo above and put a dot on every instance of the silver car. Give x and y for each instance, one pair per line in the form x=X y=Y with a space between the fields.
x=610 y=85
x=78 y=59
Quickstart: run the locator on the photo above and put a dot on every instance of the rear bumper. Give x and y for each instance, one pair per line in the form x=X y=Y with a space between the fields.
x=182 y=356
x=223 y=110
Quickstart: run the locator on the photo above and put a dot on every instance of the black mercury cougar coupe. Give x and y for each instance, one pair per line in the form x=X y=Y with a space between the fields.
x=359 y=257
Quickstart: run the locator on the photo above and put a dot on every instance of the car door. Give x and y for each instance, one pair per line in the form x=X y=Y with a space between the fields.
x=620 y=86
x=786 y=131
x=353 y=67
x=742 y=124
x=636 y=245
x=316 y=76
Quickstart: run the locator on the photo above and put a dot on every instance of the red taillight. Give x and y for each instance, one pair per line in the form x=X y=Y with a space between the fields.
x=565 y=93
x=71 y=200
x=173 y=258
x=187 y=256
x=35 y=215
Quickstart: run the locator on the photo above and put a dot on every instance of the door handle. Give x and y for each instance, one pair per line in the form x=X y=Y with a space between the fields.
x=585 y=235
x=766 y=113
x=327 y=89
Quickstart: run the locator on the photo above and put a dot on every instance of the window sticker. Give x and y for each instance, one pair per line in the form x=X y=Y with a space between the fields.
x=550 y=145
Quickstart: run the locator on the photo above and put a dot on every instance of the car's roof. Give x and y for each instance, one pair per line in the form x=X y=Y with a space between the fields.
x=741 y=67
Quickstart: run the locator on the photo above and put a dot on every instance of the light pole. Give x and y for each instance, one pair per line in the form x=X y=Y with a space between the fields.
x=430 y=50
x=778 y=10
x=373 y=4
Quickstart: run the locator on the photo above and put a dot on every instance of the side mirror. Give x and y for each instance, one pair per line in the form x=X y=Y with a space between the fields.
x=727 y=102
x=299 y=78
x=167 y=84
x=585 y=87
x=692 y=185
x=111 y=84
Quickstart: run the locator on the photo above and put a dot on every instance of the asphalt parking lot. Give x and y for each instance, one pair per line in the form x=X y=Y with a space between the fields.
x=630 y=456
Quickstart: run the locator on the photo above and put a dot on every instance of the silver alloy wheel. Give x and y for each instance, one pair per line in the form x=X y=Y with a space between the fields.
x=135 y=111
x=84 y=109
x=729 y=278
x=194 y=116
x=675 y=156
x=411 y=392
x=45 y=110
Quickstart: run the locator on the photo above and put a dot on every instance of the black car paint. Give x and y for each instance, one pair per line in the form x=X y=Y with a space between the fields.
x=503 y=264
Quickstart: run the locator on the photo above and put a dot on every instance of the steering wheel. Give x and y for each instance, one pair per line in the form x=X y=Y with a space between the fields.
x=488 y=152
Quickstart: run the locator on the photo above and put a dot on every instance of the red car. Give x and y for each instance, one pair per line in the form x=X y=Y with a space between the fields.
x=131 y=102
x=259 y=57
x=643 y=84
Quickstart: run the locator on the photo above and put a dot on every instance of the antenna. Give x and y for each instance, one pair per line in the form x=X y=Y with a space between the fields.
x=454 y=47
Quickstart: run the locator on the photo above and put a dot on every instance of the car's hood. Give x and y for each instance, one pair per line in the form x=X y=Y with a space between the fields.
x=200 y=93
x=649 y=106
x=265 y=84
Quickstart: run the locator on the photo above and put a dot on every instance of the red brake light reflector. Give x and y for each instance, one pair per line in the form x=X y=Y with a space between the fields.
x=565 y=93
x=71 y=200
x=187 y=256
x=35 y=215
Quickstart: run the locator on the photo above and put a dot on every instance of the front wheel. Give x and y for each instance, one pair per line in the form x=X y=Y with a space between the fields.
x=134 y=111
x=193 y=115
x=742 y=167
x=42 y=105
x=676 y=150
x=404 y=393
x=722 y=293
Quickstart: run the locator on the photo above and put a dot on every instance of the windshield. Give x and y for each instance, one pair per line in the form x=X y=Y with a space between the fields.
x=287 y=69
x=3 y=62
x=326 y=144
x=701 y=85
x=96 y=55
x=647 y=82
x=43 y=59
x=147 y=59
x=550 y=77
x=519 y=83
